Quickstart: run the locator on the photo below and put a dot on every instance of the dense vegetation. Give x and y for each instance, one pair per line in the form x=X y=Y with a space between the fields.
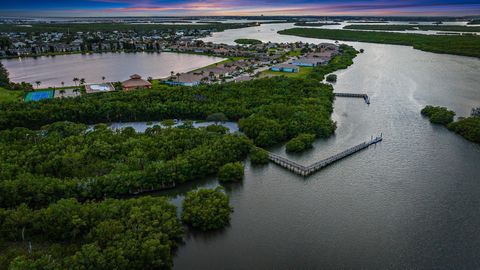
x=314 y=24
x=273 y=110
x=4 y=77
x=468 y=45
x=231 y=172
x=468 y=127
x=206 y=209
x=65 y=160
x=404 y=27
x=300 y=143
x=110 y=27
x=438 y=115
x=113 y=234
x=248 y=41
x=258 y=156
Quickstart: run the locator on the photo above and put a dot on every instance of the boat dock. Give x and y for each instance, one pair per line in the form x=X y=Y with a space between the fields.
x=308 y=170
x=353 y=95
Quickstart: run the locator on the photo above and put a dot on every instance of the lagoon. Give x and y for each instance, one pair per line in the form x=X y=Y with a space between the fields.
x=52 y=70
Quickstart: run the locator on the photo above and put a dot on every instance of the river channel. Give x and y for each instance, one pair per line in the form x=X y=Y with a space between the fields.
x=412 y=201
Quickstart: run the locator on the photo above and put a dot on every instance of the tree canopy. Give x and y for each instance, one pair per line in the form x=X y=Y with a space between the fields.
x=438 y=115
x=231 y=172
x=206 y=209
x=65 y=160
x=113 y=234
x=300 y=143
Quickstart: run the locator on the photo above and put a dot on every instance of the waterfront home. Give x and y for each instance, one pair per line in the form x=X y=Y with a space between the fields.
x=185 y=79
x=328 y=47
x=309 y=62
x=99 y=88
x=136 y=82
x=285 y=68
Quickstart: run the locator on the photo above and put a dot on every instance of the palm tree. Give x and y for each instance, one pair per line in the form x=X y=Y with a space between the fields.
x=172 y=73
x=38 y=83
x=103 y=78
x=62 y=92
x=82 y=81
x=63 y=84
x=75 y=90
x=75 y=80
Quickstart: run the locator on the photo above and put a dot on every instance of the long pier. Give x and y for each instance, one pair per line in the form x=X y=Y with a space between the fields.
x=308 y=170
x=354 y=95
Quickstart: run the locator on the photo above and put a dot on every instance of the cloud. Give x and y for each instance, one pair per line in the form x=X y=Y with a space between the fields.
x=257 y=7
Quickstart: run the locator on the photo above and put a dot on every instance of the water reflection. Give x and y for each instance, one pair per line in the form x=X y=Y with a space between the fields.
x=51 y=71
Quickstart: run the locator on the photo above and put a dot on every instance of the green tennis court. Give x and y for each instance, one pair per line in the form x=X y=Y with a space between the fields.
x=39 y=95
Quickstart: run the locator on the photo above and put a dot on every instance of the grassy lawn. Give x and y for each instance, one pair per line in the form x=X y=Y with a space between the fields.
x=294 y=53
x=9 y=95
x=303 y=73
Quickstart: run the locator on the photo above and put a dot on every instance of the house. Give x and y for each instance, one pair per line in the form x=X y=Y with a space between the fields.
x=309 y=62
x=185 y=79
x=285 y=68
x=136 y=82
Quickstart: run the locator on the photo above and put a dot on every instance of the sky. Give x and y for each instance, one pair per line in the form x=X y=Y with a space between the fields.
x=71 y=8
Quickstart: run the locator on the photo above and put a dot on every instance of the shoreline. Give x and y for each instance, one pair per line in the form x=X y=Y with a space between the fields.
x=466 y=45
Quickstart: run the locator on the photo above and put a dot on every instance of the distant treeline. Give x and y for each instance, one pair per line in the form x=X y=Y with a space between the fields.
x=467 y=45
x=401 y=27
x=110 y=27
x=474 y=22
x=314 y=24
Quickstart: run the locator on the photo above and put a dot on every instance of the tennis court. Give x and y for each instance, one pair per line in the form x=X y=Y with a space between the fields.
x=39 y=95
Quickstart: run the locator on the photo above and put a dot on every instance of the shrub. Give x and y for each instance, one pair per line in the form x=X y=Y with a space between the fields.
x=438 y=115
x=217 y=117
x=300 y=143
x=332 y=78
x=217 y=129
x=259 y=156
x=206 y=209
x=231 y=172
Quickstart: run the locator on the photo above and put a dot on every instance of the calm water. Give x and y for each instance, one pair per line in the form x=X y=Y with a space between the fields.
x=51 y=71
x=412 y=201
x=142 y=126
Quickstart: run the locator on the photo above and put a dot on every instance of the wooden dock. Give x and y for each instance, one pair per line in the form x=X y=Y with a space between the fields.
x=308 y=170
x=354 y=95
